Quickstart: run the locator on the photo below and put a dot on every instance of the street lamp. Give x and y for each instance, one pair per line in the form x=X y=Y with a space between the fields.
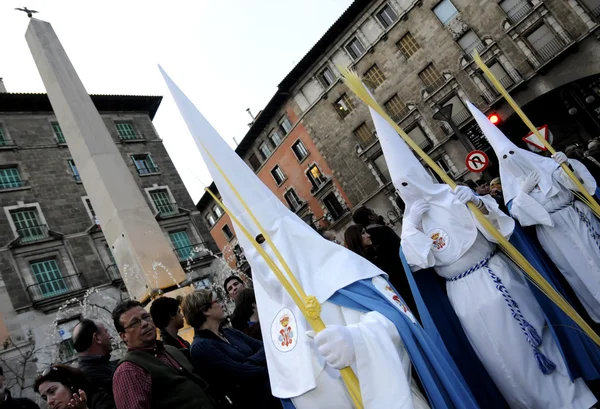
x=445 y=114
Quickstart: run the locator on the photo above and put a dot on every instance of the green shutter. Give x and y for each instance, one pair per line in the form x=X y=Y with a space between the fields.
x=49 y=278
x=125 y=130
x=9 y=178
x=182 y=244
x=27 y=225
x=58 y=133
x=163 y=203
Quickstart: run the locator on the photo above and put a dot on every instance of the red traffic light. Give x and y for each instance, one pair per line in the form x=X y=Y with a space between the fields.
x=494 y=118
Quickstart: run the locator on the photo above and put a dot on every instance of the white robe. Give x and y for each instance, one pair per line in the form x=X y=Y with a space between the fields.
x=496 y=336
x=565 y=238
x=382 y=365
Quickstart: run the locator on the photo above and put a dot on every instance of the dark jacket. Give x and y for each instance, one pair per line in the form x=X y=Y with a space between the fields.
x=238 y=368
x=17 y=403
x=386 y=244
x=99 y=370
x=179 y=343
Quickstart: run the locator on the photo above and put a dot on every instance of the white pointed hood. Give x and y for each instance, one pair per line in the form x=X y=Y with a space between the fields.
x=322 y=267
x=447 y=217
x=515 y=163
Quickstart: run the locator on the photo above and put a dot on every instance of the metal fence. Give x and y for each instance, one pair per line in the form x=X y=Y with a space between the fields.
x=518 y=12
x=52 y=288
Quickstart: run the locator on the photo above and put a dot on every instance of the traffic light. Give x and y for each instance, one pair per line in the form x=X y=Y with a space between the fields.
x=494 y=118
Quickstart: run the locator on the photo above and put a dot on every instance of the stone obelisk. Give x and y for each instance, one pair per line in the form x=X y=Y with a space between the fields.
x=134 y=236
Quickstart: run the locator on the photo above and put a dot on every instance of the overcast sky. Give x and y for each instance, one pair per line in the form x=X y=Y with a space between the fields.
x=226 y=55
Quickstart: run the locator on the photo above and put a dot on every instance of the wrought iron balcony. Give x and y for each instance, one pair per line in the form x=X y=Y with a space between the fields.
x=131 y=136
x=319 y=183
x=435 y=84
x=595 y=12
x=550 y=49
x=366 y=142
x=397 y=117
x=518 y=12
x=460 y=115
x=147 y=170
x=191 y=252
x=53 y=288
x=14 y=184
x=478 y=46
x=167 y=209
x=33 y=233
x=113 y=272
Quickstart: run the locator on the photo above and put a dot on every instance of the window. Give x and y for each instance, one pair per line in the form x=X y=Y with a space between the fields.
x=545 y=42
x=374 y=77
x=501 y=74
x=445 y=10
x=516 y=10
x=210 y=219
x=10 y=178
x=48 y=277
x=396 y=108
x=408 y=45
x=74 y=170
x=470 y=42
x=58 y=133
x=275 y=138
x=254 y=162
x=355 y=48
x=344 y=105
x=431 y=78
x=239 y=254
x=593 y=6
x=265 y=150
x=365 y=136
x=285 y=125
x=278 y=175
x=300 y=150
x=316 y=177
x=144 y=164
x=125 y=130
x=326 y=77
x=91 y=211
x=386 y=16
x=182 y=245
x=292 y=200
x=162 y=202
x=28 y=225
x=459 y=112
x=227 y=232
x=382 y=167
x=445 y=167
x=218 y=211
x=419 y=137
x=333 y=205
x=3 y=140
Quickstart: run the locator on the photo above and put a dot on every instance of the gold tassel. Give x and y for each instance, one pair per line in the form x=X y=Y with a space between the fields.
x=354 y=83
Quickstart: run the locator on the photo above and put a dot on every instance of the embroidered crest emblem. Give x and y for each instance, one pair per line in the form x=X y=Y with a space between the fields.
x=382 y=286
x=283 y=330
x=440 y=240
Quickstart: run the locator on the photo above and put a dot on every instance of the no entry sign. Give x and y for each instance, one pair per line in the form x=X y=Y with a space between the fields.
x=477 y=161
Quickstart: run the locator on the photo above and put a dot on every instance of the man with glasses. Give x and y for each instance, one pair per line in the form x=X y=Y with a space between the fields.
x=152 y=375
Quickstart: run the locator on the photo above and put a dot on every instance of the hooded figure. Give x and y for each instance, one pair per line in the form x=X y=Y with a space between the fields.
x=368 y=325
x=538 y=193
x=498 y=312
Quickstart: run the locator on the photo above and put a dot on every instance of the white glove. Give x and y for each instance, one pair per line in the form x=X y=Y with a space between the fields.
x=336 y=346
x=416 y=212
x=465 y=195
x=530 y=182
x=559 y=157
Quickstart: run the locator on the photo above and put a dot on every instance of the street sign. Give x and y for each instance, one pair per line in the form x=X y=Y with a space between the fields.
x=533 y=142
x=477 y=161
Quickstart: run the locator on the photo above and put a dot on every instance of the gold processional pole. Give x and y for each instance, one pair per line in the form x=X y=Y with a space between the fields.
x=355 y=85
x=308 y=305
x=582 y=194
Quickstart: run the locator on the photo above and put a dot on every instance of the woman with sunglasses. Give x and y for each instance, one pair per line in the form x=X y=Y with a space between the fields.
x=233 y=362
x=65 y=387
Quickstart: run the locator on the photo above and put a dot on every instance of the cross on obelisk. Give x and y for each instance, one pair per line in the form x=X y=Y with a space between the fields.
x=134 y=236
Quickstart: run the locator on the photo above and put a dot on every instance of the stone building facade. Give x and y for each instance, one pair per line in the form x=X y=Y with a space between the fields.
x=52 y=249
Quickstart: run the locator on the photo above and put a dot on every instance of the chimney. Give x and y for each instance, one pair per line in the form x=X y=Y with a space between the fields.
x=2 y=87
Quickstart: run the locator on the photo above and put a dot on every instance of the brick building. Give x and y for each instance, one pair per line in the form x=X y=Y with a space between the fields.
x=52 y=248
x=415 y=55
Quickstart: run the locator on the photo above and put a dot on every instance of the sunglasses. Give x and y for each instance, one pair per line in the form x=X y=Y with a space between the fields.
x=48 y=370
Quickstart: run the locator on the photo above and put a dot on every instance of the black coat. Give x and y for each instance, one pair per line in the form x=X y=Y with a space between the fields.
x=99 y=371
x=17 y=403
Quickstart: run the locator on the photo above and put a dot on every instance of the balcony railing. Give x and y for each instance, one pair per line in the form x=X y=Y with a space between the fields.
x=435 y=85
x=13 y=185
x=52 y=288
x=147 y=170
x=366 y=142
x=191 y=252
x=460 y=115
x=131 y=136
x=113 y=272
x=518 y=12
x=33 y=233
x=397 y=117
x=318 y=184
x=478 y=46
x=6 y=143
x=550 y=49
x=595 y=12
x=167 y=209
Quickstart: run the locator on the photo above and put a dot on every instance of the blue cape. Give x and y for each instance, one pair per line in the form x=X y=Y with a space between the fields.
x=579 y=351
x=443 y=383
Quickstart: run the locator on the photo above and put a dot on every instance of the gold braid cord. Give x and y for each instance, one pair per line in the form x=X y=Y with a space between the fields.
x=354 y=83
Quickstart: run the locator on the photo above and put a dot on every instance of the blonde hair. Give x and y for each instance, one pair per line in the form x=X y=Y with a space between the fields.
x=194 y=306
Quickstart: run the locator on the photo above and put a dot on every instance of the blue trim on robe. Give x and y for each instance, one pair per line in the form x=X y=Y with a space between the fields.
x=442 y=381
